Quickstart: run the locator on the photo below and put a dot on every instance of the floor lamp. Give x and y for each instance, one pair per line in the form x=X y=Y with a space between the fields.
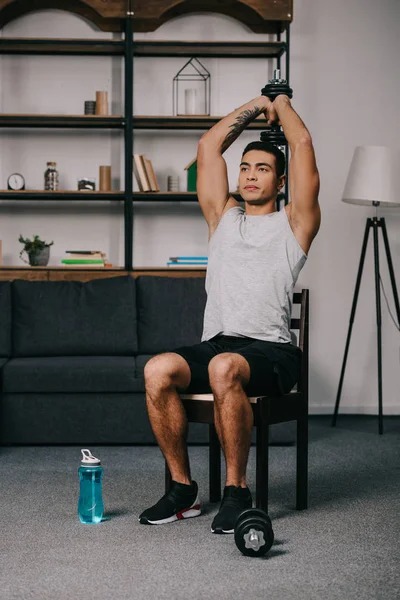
x=373 y=180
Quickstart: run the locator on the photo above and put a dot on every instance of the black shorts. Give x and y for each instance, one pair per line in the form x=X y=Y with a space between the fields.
x=274 y=366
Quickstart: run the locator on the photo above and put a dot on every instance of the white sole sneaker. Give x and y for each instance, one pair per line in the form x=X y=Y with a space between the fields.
x=186 y=513
x=222 y=530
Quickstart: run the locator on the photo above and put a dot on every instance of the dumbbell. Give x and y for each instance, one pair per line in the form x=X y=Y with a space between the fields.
x=274 y=87
x=253 y=532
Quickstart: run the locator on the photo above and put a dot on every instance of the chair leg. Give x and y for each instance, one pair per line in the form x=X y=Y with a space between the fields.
x=214 y=465
x=302 y=464
x=168 y=478
x=262 y=450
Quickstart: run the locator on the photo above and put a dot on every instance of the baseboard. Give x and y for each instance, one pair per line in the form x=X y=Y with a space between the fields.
x=388 y=410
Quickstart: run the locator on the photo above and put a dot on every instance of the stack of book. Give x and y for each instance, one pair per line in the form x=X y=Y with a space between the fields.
x=85 y=259
x=144 y=173
x=187 y=261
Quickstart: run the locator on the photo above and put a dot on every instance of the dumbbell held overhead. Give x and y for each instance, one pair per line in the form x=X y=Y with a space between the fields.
x=274 y=88
x=277 y=86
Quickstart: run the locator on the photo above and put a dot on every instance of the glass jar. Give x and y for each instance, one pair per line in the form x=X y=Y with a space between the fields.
x=51 y=177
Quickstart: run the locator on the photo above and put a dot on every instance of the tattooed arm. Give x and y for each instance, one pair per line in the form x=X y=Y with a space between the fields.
x=230 y=127
x=212 y=174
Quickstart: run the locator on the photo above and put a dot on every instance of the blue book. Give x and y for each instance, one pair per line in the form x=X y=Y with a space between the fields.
x=171 y=262
x=188 y=257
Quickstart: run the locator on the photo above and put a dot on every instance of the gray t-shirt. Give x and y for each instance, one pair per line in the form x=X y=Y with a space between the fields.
x=253 y=265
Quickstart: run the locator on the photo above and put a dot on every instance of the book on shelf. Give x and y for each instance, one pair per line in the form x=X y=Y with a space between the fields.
x=84 y=252
x=140 y=173
x=88 y=258
x=144 y=173
x=84 y=261
x=175 y=258
x=186 y=265
x=92 y=266
x=151 y=176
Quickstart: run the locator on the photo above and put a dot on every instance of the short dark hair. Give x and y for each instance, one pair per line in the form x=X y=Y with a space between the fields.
x=280 y=158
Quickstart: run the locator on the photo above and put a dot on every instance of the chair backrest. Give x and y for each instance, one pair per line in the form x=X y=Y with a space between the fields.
x=301 y=324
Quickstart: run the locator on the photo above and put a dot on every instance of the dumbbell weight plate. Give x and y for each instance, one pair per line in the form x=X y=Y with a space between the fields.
x=253 y=532
x=272 y=90
x=273 y=135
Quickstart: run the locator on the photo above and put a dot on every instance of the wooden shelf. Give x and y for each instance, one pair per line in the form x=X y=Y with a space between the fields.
x=170 y=197
x=188 y=122
x=69 y=195
x=67 y=47
x=209 y=49
x=101 y=270
x=261 y=16
x=55 y=268
x=60 y=195
x=63 y=121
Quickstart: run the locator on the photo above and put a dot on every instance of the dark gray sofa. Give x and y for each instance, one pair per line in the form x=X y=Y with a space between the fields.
x=72 y=357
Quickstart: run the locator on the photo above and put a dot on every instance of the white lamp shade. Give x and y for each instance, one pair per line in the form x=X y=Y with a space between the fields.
x=374 y=176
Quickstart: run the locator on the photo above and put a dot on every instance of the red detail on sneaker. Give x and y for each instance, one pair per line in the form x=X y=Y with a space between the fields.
x=180 y=515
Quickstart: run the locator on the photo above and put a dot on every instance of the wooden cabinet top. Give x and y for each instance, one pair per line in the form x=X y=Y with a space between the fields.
x=261 y=16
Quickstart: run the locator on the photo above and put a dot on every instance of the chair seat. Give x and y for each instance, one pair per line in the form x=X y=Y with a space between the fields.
x=210 y=397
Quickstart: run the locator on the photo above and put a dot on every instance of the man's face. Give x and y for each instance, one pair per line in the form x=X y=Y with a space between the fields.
x=258 y=182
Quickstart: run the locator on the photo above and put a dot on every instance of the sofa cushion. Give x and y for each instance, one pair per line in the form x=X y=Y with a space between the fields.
x=2 y=363
x=5 y=318
x=140 y=363
x=70 y=374
x=170 y=312
x=71 y=318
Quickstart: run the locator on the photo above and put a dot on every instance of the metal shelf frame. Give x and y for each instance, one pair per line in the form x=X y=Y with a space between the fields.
x=127 y=48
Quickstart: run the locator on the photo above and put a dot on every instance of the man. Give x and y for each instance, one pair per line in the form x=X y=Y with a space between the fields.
x=255 y=257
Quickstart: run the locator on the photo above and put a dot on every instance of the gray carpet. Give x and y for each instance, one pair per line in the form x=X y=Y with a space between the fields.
x=345 y=546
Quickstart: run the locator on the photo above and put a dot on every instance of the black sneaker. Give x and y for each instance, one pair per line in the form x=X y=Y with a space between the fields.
x=234 y=501
x=181 y=502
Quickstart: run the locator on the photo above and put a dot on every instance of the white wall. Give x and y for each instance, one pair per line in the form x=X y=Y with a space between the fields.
x=346 y=86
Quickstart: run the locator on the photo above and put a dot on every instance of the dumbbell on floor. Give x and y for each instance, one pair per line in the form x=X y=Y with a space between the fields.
x=253 y=532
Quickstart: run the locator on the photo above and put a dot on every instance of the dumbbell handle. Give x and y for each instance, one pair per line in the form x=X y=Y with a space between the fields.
x=277 y=86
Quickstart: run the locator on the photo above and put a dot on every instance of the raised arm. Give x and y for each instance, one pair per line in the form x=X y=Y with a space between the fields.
x=303 y=173
x=212 y=174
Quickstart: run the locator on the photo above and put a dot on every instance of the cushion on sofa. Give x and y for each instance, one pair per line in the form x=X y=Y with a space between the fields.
x=170 y=312
x=3 y=361
x=5 y=318
x=71 y=318
x=71 y=374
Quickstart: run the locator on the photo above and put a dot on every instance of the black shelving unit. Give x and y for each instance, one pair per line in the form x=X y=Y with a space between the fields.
x=128 y=48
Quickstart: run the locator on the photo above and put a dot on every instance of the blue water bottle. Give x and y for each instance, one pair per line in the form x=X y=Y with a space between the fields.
x=90 y=503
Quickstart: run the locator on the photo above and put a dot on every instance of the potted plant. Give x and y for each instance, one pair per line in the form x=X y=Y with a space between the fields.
x=37 y=250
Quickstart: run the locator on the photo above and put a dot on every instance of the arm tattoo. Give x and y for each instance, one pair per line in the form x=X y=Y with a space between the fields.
x=242 y=120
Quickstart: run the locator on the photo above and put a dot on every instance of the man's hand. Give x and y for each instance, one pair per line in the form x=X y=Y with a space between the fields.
x=270 y=112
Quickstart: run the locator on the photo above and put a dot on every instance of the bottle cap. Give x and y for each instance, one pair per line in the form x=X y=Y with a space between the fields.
x=52 y=164
x=88 y=459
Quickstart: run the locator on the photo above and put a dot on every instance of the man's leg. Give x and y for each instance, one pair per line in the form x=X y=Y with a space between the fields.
x=164 y=373
x=233 y=415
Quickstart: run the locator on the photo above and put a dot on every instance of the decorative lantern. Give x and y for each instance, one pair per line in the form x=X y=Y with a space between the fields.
x=193 y=99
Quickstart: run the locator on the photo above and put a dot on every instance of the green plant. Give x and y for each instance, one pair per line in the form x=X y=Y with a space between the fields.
x=32 y=247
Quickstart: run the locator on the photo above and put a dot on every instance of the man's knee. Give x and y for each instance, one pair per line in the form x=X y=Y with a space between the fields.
x=228 y=368
x=167 y=369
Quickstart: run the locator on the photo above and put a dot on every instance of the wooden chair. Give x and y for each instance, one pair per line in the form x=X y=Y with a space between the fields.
x=267 y=410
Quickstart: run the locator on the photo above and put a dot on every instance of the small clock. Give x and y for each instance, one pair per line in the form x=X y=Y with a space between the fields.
x=16 y=181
